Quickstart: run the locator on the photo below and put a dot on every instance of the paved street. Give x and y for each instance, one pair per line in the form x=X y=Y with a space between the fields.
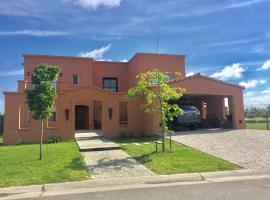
x=236 y=190
x=247 y=148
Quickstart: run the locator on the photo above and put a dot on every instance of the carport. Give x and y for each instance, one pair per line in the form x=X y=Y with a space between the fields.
x=214 y=99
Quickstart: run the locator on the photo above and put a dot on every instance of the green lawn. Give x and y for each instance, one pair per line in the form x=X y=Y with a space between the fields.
x=19 y=165
x=183 y=159
x=256 y=126
x=1 y=139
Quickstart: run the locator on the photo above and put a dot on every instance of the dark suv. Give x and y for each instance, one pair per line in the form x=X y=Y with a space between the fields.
x=190 y=118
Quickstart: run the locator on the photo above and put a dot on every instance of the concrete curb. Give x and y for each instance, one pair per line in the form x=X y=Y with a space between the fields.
x=114 y=184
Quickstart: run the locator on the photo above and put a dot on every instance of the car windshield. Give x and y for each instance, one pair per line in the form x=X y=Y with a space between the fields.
x=189 y=108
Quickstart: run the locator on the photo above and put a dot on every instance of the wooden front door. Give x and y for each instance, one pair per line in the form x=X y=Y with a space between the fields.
x=81 y=117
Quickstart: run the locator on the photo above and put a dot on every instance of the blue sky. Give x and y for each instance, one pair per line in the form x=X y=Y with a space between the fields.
x=227 y=39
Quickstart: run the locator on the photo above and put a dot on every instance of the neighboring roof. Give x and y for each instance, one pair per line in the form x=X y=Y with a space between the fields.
x=198 y=75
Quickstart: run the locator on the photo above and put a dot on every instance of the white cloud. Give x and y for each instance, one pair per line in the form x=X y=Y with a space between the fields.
x=234 y=71
x=190 y=74
x=215 y=9
x=267 y=91
x=94 y=4
x=38 y=33
x=230 y=43
x=252 y=83
x=256 y=99
x=12 y=72
x=124 y=60
x=265 y=66
x=96 y=54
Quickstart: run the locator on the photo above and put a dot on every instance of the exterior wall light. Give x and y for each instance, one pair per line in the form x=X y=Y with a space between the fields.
x=67 y=114
x=110 y=110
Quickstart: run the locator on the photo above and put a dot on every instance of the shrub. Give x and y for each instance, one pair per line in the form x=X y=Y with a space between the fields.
x=20 y=142
x=125 y=134
x=54 y=139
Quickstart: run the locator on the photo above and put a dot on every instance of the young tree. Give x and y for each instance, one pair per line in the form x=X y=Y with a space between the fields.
x=41 y=97
x=153 y=87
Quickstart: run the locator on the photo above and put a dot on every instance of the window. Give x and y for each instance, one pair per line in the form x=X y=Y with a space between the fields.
x=75 y=79
x=171 y=75
x=123 y=113
x=110 y=83
x=53 y=117
x=54 y=84
x=29 y=115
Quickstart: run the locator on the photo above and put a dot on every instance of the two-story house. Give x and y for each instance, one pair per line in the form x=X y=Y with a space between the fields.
x=91 y=95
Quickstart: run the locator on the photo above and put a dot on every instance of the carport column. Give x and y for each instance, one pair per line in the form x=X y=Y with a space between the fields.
x=238 y=111
x=215 y=107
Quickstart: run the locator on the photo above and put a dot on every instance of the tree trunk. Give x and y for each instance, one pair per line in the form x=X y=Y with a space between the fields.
x=161 y=117
x=41 y=140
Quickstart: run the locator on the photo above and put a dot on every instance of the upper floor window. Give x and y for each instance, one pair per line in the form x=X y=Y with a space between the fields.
x=54 y=84
x=110 y=83
x=29 y=114
x=171 y=75
x=75 y=79
x=53 y=117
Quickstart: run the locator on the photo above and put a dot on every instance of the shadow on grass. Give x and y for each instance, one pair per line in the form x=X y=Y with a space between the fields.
x=145 y=158
x=116 y=164
x=76 y=164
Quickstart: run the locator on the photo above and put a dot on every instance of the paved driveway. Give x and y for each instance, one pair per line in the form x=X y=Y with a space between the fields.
x=247 y=148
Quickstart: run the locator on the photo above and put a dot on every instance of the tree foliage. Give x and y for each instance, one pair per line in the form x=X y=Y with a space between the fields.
x=157 y=93
x=257 y=112
x=42 y=95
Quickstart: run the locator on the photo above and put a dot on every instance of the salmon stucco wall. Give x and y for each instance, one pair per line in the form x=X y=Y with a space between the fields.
x=103 y=104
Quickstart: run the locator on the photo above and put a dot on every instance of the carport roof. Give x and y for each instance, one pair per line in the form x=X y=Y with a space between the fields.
x=198 y=75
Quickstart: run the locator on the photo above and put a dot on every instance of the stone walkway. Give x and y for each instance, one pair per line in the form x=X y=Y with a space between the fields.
x=247 y=148
x=105 y=163
x=92 y=141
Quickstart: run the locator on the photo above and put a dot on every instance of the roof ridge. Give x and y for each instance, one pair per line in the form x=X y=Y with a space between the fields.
x=206 y=77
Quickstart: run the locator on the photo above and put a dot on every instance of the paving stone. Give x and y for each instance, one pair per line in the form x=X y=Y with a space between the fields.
x=114 y=164
x=103 y=162
x=247 y=148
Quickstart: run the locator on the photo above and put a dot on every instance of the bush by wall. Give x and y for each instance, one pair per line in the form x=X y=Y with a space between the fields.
x=54 y=139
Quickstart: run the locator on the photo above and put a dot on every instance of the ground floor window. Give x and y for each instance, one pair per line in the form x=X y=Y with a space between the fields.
x=53 y=117
x=123 y=113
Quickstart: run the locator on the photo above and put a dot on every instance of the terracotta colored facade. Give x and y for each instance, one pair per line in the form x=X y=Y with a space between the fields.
x=88 y=105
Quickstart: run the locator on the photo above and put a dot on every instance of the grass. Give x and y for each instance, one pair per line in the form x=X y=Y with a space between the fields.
x=1 y=139
x=256 y=118
x=258 y=126
x=19 y=165
x=182 y=159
